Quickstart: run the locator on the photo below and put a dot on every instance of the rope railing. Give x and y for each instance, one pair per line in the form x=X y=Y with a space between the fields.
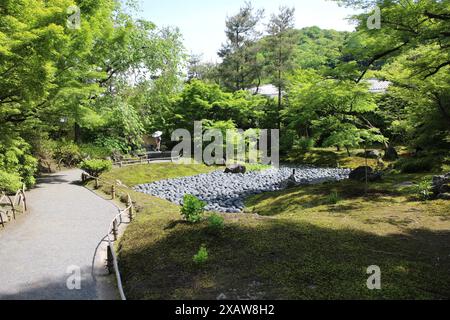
x=112 y=260
x=147 y=159
x=18 y=200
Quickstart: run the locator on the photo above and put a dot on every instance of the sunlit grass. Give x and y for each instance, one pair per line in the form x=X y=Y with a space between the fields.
x=293 y=244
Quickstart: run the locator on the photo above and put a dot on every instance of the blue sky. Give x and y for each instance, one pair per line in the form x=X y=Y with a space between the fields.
x=202 y=22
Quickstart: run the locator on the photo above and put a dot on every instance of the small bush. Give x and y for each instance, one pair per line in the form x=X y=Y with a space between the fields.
x=216 y=222
x=424 y=190
x=202 y=256
x=192 y=209
x=333 y=198
x=9 y=183
x=93 y=151
x=96 y=167
x=415 y=165
x=304 y=144
x=68 y=153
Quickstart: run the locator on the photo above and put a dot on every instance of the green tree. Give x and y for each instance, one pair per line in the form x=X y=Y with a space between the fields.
x=334 y=112
x=241 y=64
x=281 y=45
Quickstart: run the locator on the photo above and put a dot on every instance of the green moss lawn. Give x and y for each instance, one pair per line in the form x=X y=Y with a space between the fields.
x=313 y=242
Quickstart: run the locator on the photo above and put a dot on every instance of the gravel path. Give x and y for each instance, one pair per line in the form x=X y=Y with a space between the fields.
x=63 y=228
x=227 y=192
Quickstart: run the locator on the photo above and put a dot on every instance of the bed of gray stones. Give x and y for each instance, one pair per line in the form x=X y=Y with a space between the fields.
x=226 y=192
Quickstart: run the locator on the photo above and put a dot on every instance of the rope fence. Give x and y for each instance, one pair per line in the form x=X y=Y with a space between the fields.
x=16 y=204
x=112 y=262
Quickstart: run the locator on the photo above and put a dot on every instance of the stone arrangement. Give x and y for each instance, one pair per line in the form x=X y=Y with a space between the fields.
x=441 y=186
x=226 y=192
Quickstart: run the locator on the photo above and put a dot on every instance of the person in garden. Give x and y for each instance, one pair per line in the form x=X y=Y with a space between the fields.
x=158 y=138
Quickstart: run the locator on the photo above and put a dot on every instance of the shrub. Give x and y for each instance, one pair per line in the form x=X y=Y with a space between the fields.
x=94 y=151
x=16 y=160
x=68 y=153
x=424 y=190
x=304 y=144
x=216 y=222
x=9 y=182
x=96 y=167
x=202 y=255
x=333 y=198
x=192 y=209
x=416 y=165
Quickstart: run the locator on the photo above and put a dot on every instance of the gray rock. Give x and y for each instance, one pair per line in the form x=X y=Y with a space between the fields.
x=441 y=186
x=236 y=168
x=359 y=174
x=227 y=192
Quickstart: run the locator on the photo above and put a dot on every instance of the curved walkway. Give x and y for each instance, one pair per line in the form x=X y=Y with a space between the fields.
x=56 y=239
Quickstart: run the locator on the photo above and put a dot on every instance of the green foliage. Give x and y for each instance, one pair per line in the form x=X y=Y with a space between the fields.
x=304 y=144
x=415 y=62
x=216 y=222
x=333 y=198
x=96 y=167
x=203 y=101
x=68 y=153
x=16 y=160
x=9 y=183
x=202 y=255
x=242 y=64
x=332 y=110
x=62 y=83
x=192 y=209
x=94 y=151
x=416 y=165
x=424 y=190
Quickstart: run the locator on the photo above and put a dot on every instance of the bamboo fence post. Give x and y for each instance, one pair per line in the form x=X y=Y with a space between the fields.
x=109 y=260
x=13 y=209
x=24 y=201
x=1 y=220
x=114 y=229
x=131 y=208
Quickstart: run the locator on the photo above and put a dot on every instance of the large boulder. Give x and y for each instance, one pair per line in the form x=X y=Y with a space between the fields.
x=359 y=174
x=236 y=168
x=391 y=154
x=441 y=186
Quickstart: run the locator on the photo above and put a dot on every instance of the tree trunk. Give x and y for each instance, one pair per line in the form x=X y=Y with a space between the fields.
x=77 y=133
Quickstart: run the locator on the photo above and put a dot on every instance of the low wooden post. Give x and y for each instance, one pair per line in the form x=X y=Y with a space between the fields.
x=24 y=198
x=114 y=229
x=131 y=209
x=96 y=183
x=13 y=209
x=113 y=192
x=109 y=260
x=1 y=220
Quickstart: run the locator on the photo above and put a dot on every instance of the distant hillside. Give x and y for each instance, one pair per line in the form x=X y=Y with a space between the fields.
x=318 y=47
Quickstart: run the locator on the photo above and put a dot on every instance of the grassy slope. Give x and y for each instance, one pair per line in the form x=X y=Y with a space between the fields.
x=329 y=157
x=298 y=247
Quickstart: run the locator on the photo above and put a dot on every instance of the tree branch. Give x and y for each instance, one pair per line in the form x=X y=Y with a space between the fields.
x=379 y=56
